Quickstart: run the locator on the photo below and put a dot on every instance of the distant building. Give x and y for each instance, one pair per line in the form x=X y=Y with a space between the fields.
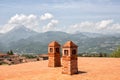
x=3 y=55
x=11 y=59
x=42 y=57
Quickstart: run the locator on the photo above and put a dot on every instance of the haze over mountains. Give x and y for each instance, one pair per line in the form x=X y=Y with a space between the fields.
x=23 y=40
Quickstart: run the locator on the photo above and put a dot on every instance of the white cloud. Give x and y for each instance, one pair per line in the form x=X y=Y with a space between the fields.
x=103 y=26
x=51 y=26
x=6 y=28
x=31 y=21
x=46 y=16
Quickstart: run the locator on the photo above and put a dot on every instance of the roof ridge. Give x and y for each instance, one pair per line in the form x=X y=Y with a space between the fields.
x=70 y=44
x=53 y=44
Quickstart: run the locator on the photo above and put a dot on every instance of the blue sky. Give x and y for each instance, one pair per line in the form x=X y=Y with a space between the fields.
x=69 y=13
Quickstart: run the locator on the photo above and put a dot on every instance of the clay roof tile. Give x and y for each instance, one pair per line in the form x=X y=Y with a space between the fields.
x=70 y=44
x=53 y=44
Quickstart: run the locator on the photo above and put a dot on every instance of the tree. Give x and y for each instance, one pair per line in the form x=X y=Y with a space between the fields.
x=100 y=54
x=10 y=52
x=116 y=53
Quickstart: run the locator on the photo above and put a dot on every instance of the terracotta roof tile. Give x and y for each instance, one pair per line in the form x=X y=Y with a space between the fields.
x=53 y=44
x=69 y=44
x=3 y=54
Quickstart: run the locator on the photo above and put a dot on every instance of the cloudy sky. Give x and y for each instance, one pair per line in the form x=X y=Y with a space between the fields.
x=102 y=16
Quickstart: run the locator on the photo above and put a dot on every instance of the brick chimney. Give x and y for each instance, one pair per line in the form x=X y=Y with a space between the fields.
x=69 y=58
x=54 y=54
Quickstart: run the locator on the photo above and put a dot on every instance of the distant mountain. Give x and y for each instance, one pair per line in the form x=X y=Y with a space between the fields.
x=19 y=32
x=55 y=35
x=91 y=35
x=1 y=34
x=39 y=42
x=24 y=40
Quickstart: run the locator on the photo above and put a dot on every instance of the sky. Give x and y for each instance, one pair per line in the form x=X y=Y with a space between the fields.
x=96 y=16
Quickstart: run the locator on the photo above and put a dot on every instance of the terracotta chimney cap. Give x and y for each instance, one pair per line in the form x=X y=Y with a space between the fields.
x=69 y=44
x=53 y=44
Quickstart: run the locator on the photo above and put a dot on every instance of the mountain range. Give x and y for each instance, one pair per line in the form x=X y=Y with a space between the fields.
x=23 y=40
